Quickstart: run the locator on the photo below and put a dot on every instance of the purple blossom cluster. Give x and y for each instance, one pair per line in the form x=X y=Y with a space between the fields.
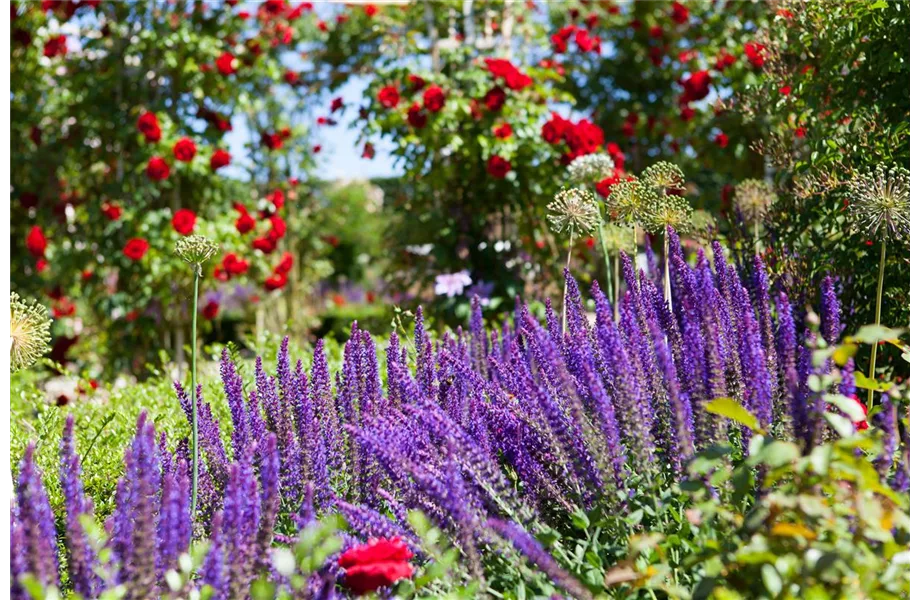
x=482 y=430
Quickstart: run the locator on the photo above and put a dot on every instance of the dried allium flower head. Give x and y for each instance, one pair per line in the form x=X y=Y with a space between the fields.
x=30 y=334
x=195 y=250
x=880 y=200
x=620 y=237
x=702 y=222
x=631 y=202
x=589 y=169
x=663 y=177
x=669 y=210
x=753 y=199
x=573 y=209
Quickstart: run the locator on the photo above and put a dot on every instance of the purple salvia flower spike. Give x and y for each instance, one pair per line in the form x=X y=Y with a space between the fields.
x=424 y=359
x=240 y=437
x=37 y=522
x=830 y=312
x=81 y=558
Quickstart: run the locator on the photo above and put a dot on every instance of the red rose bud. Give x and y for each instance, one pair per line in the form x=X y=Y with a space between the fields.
x=149 y=126
x=388 y=96
x=266 y=245
x=111 y=211
x=36 y=243
x=498 y=167
x=433 y=98
x=226 y=64
x=210 y=310
x=286 y=264
x=275 y=281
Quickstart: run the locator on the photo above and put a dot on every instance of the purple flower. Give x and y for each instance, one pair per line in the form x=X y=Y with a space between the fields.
x=35 y=523
x=81 y=559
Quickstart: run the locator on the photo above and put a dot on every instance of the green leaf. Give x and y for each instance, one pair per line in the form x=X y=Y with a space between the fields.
x=865 y=383
x=842 y=425
x=730 y=409
x=771 y=579
x=580 y=520
x=870 y=334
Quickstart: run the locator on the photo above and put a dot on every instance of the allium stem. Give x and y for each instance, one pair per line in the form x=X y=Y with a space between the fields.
x=635 y=251
x=757 y=236
x=194 y=398
x=600 y=231
x=565 y=287
x=667 y=276
x=616 y=287
x=878 y=315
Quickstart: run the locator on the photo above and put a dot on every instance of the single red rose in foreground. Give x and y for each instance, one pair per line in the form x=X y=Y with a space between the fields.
x=136 y=248
x=184 y=221
x=184 y=150
x=36 y=242
x=157 y=169
x=377 y=564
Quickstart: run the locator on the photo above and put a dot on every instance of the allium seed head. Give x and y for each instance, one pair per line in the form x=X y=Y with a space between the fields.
x=702 y=222
x=196 y=250
x=631 y=202
x=663 y=177
x=753 y=199
x=573 y=209
x=880 y=200
x=589 y=169
x=30 y=334
x=673 y=211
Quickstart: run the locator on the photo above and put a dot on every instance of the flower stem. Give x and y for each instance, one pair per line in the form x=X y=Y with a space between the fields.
x=636 y=250
x=565 y=286
x=616 y=287
x=878 y=316
x=194 y=397
x=600 y=231
x=667 y=275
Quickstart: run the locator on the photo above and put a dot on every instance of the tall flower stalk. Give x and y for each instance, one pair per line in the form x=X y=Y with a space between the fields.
x=753 y=200
x=630 y=204
x=30 y=327
x=195 y=250
x=670 y=209
x=573 y=210
x=881 y=205
x=586 y=171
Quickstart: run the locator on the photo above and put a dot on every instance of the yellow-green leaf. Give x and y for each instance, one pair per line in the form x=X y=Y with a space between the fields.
x=730 y=409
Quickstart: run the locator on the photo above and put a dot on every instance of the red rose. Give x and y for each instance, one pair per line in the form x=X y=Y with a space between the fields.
x=234 y=265
x=388 y=96
x=336 y=104
x=184 y=221
x=756 y=54
x=686 y=113
x=272 y=141
x=586 y=42
x=291 y=77
x=149 y=126
x=799 y=132
x=583 y=138
x=494 y=99
x=220 y=158
x=724 y=60
x=416 y=82
x=377 y=564
x=785 y=90
x=368 y=151
x=157 y=169
x=619 y=159
x=276 y=281
x=278 y=227
x=136 y=248
x=226 y=64
x=184 y=150
x=498 y=167
x=286 y=264
x=604 y=185
x=210 y=310
x=36 y=243
x=111 y=211
x=245 y=223
x=370 y=10
x=55 y=46
x=503 y=131
x=276 y=197
x=266 y=245
x=63 y=307
x=721 y=140
x=554 y=129
x=416 y=117
x=503 y=69
x=679 y=13
x=41 y=265
x=696 y=87
x=433 y=98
